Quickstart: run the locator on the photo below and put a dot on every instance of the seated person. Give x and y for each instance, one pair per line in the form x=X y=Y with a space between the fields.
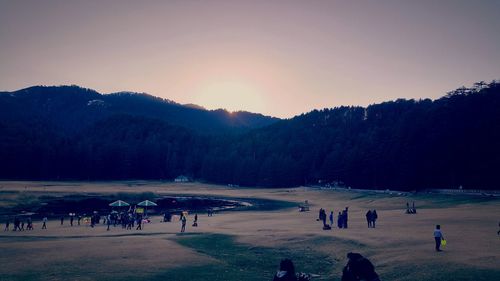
x=359 y=268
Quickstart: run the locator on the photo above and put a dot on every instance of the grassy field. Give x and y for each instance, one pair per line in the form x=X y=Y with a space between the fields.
x=249 y=245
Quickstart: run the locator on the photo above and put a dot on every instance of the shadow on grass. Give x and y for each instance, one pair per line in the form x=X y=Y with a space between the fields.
x=238 y=261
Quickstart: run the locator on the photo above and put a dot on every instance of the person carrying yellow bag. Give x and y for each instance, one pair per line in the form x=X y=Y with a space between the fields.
x=439 y=238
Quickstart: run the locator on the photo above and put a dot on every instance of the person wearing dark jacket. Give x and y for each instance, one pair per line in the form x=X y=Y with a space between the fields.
x=369 y=218
x=286 y=271
x=374 y=217
x=359 y=268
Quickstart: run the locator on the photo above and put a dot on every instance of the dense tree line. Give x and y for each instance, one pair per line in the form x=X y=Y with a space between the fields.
x=402 y=144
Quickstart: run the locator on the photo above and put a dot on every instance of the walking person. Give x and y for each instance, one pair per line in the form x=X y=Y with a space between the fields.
x=130 y=222
x=331 y=218
x=30 y=224
x=108 y=222
x=195 y=223
x=139 y=223
x=16 y=224
x=44 y=220
x=374 y=217
x=438 y=237
x=183 y=227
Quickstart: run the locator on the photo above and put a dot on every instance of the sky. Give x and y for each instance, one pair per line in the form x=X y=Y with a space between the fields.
x=278 y=58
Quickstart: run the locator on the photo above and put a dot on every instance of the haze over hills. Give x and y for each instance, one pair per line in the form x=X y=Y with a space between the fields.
x=70 y=132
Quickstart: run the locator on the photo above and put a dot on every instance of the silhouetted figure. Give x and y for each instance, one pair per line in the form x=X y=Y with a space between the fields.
x=7 y=224
x=286 y=271
x=438 y=236
x=195 y=223
x=331 y=218
x=369 y=218
x=71 y=218
x=359 y=268
x=323 y=217
x=79 y=219
x=339 y=220
x=17 y=222
x=167 y=217
x=345 y=217
x=29 y=225
x=130 y=222
x=183 y=227
x=62 y=220
x=139 y=223
x=498 y=232
x=374 y=217
x=108 y=222
x=44 y=220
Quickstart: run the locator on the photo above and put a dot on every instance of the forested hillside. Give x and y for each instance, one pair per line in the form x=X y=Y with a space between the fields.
x=402 y=144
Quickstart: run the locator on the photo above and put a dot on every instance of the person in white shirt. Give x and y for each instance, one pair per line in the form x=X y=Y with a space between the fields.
x=438 y=236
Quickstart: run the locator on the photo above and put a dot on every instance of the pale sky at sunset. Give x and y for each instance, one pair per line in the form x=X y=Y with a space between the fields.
x=279 y=58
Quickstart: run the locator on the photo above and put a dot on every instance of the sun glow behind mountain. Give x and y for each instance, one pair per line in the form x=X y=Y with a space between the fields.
x=233 y=95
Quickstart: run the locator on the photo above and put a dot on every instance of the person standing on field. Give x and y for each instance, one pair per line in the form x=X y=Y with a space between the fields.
x=374 y=217
x=44 y=226
x=183 y=228
x=369 y=218
x=438 y=237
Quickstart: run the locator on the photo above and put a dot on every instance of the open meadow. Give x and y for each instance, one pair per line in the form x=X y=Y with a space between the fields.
x=248 y=244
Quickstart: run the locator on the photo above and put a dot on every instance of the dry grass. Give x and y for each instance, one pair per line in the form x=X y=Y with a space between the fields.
x=400 y=246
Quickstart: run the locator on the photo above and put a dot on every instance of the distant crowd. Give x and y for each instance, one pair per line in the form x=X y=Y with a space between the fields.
x=342 y=218
x=126 y=219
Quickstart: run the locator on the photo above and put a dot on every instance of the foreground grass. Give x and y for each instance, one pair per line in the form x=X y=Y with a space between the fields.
x=232 y=260
x=237 y=261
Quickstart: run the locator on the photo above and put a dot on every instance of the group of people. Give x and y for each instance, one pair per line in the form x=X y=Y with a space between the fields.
x=342 y=218
x=357 y=268
x=19 y=224
x=411 y=210
x=183 y=219
x=127 y=220
x=371 y=218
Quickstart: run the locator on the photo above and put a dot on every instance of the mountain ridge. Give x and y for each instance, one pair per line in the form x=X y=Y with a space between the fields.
x=48 y=101
x=401 y=144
